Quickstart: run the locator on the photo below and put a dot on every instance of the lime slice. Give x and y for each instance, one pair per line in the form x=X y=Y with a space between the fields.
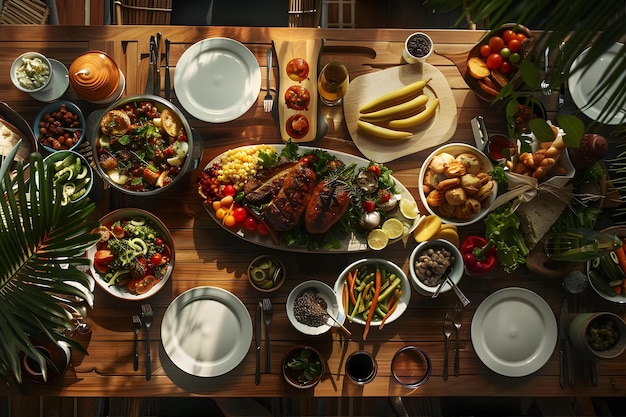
x=409 y=209
x=377 y=239
x=394 y=228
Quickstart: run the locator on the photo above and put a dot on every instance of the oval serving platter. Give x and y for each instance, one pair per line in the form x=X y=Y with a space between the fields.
x=352 y=243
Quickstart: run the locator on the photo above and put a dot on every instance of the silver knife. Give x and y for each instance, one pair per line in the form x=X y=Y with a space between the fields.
x=167 y=69
x=257 y=328
x=480 y=132
x=566 y=374
x=157 y=65
x=150 y=81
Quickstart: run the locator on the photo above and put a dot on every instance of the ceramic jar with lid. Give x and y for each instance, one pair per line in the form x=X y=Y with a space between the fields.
x=96 y=77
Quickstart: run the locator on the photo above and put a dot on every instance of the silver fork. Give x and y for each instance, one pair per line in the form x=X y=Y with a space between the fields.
x=137 y=325
x=267 y=318
x=457 y=316
x=268 y=101
x=447 y=332
x=545 y=85
x=146 y=313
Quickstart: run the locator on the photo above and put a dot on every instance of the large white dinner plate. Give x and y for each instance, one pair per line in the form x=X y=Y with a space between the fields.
x=217 y=80
x=206 y=331
x=583 y=84
x=352 y=243
x=514 y=332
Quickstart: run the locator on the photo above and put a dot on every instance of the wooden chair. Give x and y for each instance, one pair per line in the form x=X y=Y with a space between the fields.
x=305 y=13
x=143 y=12
x=22 y=12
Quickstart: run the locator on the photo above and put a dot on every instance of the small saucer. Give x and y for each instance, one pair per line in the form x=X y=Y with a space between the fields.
x=58 y=85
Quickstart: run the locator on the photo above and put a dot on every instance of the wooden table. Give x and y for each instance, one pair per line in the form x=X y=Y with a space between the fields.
x=208 y=255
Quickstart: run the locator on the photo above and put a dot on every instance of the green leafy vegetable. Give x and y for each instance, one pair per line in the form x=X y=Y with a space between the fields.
x=502 y=227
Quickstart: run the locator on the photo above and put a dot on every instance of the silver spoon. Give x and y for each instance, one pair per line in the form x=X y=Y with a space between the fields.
x=443 y=281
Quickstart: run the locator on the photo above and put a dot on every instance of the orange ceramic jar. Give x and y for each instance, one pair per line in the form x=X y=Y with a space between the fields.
x=95 y=77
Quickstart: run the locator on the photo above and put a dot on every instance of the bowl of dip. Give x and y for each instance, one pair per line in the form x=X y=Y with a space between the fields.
x=31 y=72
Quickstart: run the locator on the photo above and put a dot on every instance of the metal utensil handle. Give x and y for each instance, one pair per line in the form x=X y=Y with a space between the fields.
x=464 y=300
x=268 y=362
x=457 y=366
x=269 y=68
x=148 y=364
x=445 y=360
x=136 y=358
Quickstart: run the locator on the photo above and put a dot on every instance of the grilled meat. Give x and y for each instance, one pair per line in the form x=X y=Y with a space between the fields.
x=266 y=184
x=285 y=210
x=329 y=202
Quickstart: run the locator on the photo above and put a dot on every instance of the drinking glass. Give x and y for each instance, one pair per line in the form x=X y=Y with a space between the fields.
x=332 y=83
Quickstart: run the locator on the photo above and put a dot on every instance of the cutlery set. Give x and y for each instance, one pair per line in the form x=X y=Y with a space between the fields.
x=153 y=81
x=264 y=313
x=452 y=324
x=147 y=316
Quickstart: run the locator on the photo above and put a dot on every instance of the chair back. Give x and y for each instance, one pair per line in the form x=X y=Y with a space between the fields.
x=305 y=13
x=24 y=12
x=143 y=12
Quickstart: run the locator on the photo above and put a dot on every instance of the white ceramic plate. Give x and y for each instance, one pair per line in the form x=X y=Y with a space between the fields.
x=514 y=332
x=217 y=80
x=390 y=267
x=58 y=85
x=582 y=85
x=327 y=294
x=206 y=331
x=353 y=243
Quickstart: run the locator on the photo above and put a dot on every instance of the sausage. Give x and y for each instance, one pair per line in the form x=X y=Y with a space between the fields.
x=329 y=202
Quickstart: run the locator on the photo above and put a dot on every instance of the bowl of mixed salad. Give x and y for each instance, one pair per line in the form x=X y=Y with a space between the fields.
x=144 y=145
x=135 y=255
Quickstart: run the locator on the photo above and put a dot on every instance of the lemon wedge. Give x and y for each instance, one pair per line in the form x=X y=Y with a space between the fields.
x=409 y=209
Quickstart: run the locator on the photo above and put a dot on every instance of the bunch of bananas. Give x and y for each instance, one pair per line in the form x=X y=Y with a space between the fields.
x=389 y=115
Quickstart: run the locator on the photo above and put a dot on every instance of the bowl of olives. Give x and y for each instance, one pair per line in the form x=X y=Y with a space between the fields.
x=266 y=273
x=598 y=335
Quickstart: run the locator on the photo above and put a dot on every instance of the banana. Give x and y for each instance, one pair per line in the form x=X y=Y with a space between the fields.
x=416 y=119
x=382 y=132
x=399 y=110
x=394 y=96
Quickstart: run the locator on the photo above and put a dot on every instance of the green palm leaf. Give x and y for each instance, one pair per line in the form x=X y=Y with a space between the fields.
x=42 y=243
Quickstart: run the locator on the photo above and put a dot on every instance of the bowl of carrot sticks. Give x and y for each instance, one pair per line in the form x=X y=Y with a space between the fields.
x=607 y=273
x=372 y=292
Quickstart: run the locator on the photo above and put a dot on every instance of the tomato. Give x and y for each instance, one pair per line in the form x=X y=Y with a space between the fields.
x=103 y=257
x=166 y=252
x=485 y=51
x=383 y=196
x=494 y=61
x=514 y=45
x=514 y=58
x=369 y=206
x=156 y=259
x=229 y=190
x=158 y=241
x=118 y=232
x=508 y=35
x=101 y=268
x=506 y=67
x=132 y=284
x=375 y=169
x=250 y=224
x=229 y=220
x=145 y=284
x=262 y=229
x=240 y=214
x=496 y=43
x=521 y=37
x=505 y=52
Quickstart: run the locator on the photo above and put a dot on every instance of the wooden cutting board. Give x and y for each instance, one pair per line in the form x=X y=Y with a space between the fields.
x=309 y=51
x=438 y=130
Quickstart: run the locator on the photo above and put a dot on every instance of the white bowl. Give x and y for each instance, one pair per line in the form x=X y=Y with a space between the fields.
x=122 y=292
x=390 y=267
x=408 y=55
x=325 y=292
x=455 y=275
x=456 y=149
x=17 y=63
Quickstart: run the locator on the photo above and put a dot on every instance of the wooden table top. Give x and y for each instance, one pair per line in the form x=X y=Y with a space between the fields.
x=206 y=255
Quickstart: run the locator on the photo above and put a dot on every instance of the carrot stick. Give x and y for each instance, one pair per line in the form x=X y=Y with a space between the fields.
x=621 y=256
x=351 y=283
x=370 y=315
x=391 y=305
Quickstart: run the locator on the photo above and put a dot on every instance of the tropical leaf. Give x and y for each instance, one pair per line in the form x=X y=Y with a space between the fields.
x=42 y=276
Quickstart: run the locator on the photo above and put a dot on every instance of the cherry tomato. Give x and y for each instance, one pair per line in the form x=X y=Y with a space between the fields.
x=250 y=224
x=240 y=214
x=496 y=43
x=494 y=61
x=514 y=58
x=229 y=220
x=505 y=52
x=369 y=206
x=103 y=257
x=262 y=229
x=375 y=169
x=514 y=45
x=156 y=259
x=132 y=284
x=158 y=241
x=383 y=196
x=506 y=67
x=521 y=37
x=118 y=232
x=145 y=284
x=229 y=190
x=101 y=268
x=485 y=51
x=508 y=35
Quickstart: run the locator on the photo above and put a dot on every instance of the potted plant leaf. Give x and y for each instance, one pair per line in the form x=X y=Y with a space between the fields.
x=303 y=367
x=42 y=244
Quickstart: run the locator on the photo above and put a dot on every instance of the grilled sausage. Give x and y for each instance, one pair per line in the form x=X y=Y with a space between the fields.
x=329 y=202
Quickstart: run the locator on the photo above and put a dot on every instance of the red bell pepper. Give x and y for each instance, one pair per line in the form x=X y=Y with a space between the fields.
x=479 y=255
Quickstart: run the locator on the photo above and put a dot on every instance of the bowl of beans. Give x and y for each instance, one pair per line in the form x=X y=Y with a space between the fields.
x=309 y=305
x=598 y=335
x=60 y=126
x=429 y=263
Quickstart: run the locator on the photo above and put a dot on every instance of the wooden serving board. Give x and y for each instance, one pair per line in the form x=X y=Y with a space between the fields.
x=438 y=130
x=308 y=50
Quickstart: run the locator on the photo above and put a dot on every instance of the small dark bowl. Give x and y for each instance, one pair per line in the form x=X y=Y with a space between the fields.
x=276 y=266
x=296 y=377
x=53 y=107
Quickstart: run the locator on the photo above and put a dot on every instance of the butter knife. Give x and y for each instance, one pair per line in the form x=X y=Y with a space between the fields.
x=157 y=65
x=257 y=328
x=150 y=81
x=167 y=69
